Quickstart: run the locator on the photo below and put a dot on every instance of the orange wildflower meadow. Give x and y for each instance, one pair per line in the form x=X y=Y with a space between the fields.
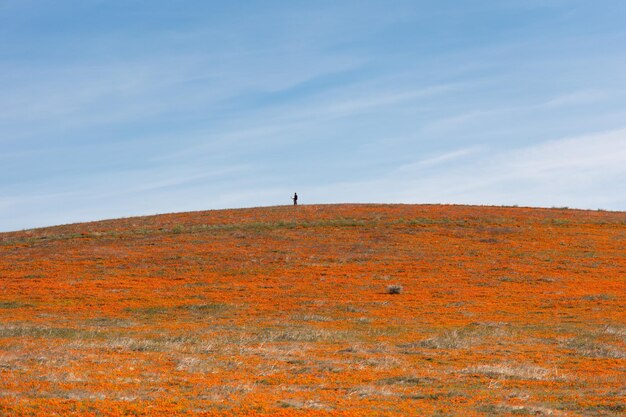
x=318 y=310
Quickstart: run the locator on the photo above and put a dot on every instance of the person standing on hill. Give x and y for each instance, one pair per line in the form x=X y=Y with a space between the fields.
x=295 y=199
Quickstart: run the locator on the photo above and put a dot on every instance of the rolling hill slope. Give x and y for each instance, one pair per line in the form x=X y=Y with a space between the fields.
x=287 y=311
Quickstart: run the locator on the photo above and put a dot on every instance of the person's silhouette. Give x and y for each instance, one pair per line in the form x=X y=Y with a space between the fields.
x=295 y=199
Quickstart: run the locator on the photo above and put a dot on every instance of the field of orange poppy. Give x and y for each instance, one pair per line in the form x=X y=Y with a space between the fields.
x=347 y=310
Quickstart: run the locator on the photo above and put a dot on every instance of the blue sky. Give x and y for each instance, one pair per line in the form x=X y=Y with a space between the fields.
x=120 y=108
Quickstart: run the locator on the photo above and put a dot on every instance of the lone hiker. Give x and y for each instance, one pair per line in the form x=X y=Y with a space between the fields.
x=295 y=199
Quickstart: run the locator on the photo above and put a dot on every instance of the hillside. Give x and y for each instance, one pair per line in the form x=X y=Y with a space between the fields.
x=286 y=311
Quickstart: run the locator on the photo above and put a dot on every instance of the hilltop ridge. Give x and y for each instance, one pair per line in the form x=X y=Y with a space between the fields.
x=303 y=213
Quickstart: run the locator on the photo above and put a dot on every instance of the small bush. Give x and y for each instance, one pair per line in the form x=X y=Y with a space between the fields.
x=394 y=289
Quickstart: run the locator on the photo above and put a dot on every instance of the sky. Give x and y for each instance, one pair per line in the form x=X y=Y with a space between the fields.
x=118 y=108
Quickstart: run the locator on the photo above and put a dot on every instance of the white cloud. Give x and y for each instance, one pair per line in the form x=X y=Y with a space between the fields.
x=438 y=160
x=578 y=172
x=379 y=100
x=599 y=155
x=574 y=98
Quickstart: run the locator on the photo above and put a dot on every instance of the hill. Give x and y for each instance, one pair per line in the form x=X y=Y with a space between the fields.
x=288 y=311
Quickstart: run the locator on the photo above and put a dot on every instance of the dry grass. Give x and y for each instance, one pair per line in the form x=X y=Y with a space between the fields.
x=516 y=371
x=593 y=349
x=465 y=337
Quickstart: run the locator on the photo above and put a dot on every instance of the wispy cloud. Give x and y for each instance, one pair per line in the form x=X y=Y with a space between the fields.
x=379 y=100
x=584 y=172
x=435 y=161
x=574 y=98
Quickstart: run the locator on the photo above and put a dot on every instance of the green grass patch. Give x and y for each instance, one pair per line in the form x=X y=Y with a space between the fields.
x=14 y=304
x=10 y=331
x=406 y=380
